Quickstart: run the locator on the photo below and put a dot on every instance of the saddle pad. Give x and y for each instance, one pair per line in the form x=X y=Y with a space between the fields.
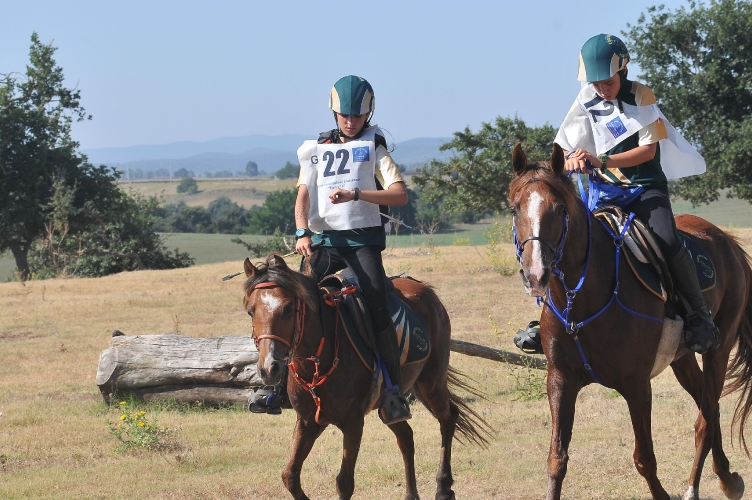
x=703 y=264
x=412 y=336
x=648 y=276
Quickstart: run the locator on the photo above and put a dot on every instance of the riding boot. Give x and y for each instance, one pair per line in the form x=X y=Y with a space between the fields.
x=395 y=407
x=703 y=333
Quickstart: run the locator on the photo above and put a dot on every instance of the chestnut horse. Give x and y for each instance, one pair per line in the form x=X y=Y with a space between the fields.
x=328 y=384
x=614 y=325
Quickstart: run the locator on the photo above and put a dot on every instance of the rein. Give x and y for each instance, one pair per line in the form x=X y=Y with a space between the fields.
x=331 y=299
x=563 y=316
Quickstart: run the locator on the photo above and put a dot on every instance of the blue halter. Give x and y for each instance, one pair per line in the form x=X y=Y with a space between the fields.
x=572 y=327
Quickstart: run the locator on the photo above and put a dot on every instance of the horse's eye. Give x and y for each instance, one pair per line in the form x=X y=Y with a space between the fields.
x=288 y=308
x=559 y=208
x=250 y=313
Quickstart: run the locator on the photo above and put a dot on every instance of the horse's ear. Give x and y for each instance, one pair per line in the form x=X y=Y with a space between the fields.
x=275 y=260
x=305 y=267
x=557 y=160
x=250 y=269
x=519 y=160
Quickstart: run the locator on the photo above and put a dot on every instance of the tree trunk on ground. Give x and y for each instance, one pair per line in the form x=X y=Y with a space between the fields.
x=214 y=371
x=21 y=254
x=170 y=366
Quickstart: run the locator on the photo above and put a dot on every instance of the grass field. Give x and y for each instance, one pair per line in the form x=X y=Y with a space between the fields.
x=55 y=444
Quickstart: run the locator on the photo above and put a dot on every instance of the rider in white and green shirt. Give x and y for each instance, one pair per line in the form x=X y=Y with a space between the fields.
x=615 y=127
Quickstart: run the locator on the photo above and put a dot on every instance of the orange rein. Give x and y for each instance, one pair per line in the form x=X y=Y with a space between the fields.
x=332 y=299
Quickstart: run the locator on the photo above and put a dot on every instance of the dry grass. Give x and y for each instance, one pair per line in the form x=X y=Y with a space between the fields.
x=54 y=441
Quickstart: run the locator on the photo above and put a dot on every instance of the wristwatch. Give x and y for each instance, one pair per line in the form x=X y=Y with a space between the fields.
x=604 y=160
x=303 y=231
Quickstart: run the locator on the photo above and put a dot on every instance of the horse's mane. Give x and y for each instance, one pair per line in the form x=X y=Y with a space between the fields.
x=299 y=284
x=541 y=172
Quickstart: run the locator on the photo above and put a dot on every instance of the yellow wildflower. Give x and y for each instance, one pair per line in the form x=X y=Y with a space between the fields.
x=122 y=417
x=140 y=424
x=122 y=402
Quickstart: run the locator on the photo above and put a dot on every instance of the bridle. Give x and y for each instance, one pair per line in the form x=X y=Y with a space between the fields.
x=558 y=250
x=331 y=299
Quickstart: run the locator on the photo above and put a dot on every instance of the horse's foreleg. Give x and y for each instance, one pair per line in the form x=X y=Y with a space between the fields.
x=304 y=435
x=638 y=395
x=562 y=396
x=352 y=435
x=404 y=434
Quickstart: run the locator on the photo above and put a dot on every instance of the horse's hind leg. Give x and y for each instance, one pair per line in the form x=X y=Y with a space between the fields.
x=404 y=434
x=304 y=435
x=436 y=397
x=638 y=396
x=352 y=435
x=707 y=430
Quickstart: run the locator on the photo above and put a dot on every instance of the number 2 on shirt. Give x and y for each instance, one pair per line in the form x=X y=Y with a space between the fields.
x=328 y=157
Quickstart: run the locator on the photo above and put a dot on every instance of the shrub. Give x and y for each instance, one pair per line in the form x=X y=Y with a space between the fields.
x=188 y=185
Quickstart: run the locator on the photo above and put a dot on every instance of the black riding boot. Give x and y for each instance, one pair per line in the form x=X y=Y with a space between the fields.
x=703 y=333
x=395 y=407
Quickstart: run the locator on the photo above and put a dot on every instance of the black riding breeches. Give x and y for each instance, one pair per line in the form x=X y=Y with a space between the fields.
x=368 y=268
x=653 y=208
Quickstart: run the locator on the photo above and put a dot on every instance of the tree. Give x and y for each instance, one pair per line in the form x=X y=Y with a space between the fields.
x=477 y=178
x=188 y=185
x=36 y=112
x=277 y=213
x=182 y=173
x=251 y=169
x=288 y=171
x=699 y=64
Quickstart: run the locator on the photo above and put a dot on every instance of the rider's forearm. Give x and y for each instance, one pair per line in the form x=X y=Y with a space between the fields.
x=302 y=207
x=633 y=157
x=395 y=194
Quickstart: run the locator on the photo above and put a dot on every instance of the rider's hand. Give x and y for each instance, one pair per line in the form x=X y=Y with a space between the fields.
x=303 y=246
x=338 y=195
x=580 y=161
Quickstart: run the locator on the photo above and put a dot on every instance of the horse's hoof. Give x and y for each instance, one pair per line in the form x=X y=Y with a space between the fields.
x=735 y=490
x=691 y=494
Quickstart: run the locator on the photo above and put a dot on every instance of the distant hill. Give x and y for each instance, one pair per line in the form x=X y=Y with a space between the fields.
x=232 y=153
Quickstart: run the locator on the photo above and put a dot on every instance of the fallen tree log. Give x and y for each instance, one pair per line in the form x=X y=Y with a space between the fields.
x=470 y=349
x=216 y=370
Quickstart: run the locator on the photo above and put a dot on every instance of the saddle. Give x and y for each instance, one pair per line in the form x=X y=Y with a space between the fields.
x=646 y=260
x=355 y=322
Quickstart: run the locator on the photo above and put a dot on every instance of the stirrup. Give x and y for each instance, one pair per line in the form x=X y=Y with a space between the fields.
x=267 y=399
x=528 y=340
x=395 y=407
x=703 y=334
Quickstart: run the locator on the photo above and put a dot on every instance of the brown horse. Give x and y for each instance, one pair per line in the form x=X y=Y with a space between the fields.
x=330 y=385
x=616 y=327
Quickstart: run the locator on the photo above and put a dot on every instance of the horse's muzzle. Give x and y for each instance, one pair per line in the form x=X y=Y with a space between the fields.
x=535 y=286
x=271 y=370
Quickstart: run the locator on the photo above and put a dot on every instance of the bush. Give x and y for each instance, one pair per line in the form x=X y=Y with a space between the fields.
x=278 y=213
x=188 y=185
x=288 y=171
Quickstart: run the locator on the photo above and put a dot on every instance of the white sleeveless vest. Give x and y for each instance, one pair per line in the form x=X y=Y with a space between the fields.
x=344 y=166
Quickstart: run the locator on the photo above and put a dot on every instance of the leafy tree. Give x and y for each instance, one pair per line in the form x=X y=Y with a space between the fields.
x=182 y=173
x=181 y=218
x=188 y=185
x=36 y=150
x=698 y=63
x=477 y=177
x=277 y=213
x=227 y=216
x=251 y=169
x=288 y=171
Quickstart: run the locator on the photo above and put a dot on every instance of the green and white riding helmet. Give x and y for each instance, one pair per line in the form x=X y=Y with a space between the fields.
x=352 y=95
x=601 y=58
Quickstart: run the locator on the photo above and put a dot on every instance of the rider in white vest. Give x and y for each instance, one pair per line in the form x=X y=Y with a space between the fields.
x=347 y=179
x=616 y=128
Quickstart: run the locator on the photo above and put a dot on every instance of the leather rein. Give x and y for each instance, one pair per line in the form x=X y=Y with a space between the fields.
x=331 y=299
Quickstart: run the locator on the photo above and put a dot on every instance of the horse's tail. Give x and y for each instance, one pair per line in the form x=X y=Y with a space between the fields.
x=740 y=370
x=471 y=426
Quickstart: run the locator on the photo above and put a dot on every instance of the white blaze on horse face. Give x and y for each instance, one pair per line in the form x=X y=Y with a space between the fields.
x=534 y=215
x=271 y=302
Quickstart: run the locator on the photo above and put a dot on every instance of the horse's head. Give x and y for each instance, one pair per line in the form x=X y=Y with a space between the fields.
x=540 y=199
x=277 y=299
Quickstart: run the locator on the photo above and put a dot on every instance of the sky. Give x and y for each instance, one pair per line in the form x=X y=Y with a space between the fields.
x=160 y=72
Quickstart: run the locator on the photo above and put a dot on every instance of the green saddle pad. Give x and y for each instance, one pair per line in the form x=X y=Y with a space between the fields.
x=647 y=274
x=412 y=336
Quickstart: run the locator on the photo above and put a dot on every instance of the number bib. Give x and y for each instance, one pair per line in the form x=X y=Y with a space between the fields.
x=610 y=126
x=344 y=166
